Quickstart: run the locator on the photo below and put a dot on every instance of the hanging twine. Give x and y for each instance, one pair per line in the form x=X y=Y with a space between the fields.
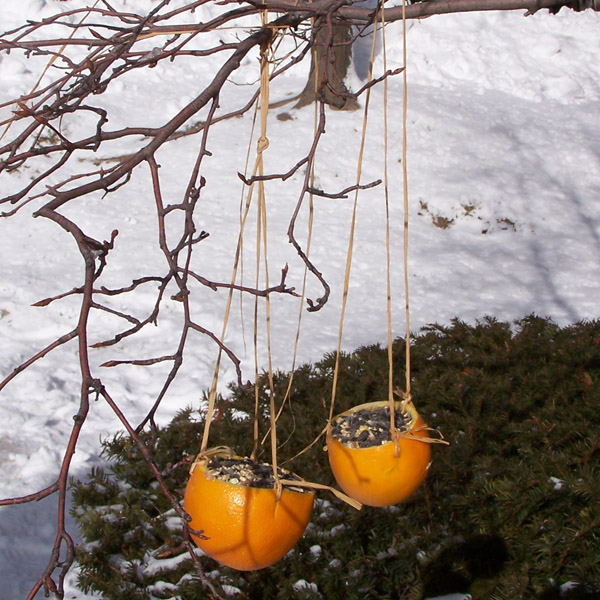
x=407 y=394
x=350 y=249
x=394 y=433
x=262 y=145
x=261 y=252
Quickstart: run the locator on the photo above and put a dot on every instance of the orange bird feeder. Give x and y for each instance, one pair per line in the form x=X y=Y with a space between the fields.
x=240 y=525
x=385 y=473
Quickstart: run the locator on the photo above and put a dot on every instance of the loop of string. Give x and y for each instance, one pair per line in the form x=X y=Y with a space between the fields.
x=213 y=388
x=395 y=434
x=261 y=256
x=262 y=144
x=311 y=212
x=407 y=391
x=406 y=395
x=350 y=249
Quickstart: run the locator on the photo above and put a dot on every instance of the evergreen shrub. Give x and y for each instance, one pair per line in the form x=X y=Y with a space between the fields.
x=509 y=509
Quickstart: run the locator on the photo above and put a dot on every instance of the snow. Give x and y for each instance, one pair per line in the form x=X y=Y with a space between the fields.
x=302 y=584
x=504 y=178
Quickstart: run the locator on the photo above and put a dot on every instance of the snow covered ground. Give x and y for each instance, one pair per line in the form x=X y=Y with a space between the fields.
x=504 y=186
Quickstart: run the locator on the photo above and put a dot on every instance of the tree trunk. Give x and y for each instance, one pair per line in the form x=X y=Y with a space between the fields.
x=328 y=68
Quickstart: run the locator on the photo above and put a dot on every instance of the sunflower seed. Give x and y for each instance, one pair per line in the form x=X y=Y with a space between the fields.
x=365 y=428
x=249 y=473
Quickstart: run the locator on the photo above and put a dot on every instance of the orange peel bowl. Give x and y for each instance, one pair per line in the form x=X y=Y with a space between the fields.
x=375 y=475
x=244 y=527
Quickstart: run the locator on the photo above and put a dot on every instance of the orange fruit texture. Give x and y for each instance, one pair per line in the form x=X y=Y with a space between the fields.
x=377 y=475
x=246 y=528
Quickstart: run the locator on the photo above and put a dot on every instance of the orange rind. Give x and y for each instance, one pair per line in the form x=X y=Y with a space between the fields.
x=387 y=473
x=244 y=527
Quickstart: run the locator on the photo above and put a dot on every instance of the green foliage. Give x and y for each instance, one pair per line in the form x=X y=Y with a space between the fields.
x=508 y=511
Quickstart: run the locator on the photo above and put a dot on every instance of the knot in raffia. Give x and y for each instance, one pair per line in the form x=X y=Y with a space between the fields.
x=262 y=144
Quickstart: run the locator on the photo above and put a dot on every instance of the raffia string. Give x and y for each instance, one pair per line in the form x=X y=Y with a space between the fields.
x=349 y=253
x=212 y=395
x=311 y=212
x=262 y=145
x=407 y=394
x=394 y=433
x=261 y=240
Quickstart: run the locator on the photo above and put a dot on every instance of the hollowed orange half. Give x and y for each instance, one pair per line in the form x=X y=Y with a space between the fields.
x=246 y=528
x=377 y=475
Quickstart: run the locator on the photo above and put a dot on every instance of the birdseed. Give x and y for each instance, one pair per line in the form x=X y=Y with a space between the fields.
x=248 y=473
x=368 y=427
